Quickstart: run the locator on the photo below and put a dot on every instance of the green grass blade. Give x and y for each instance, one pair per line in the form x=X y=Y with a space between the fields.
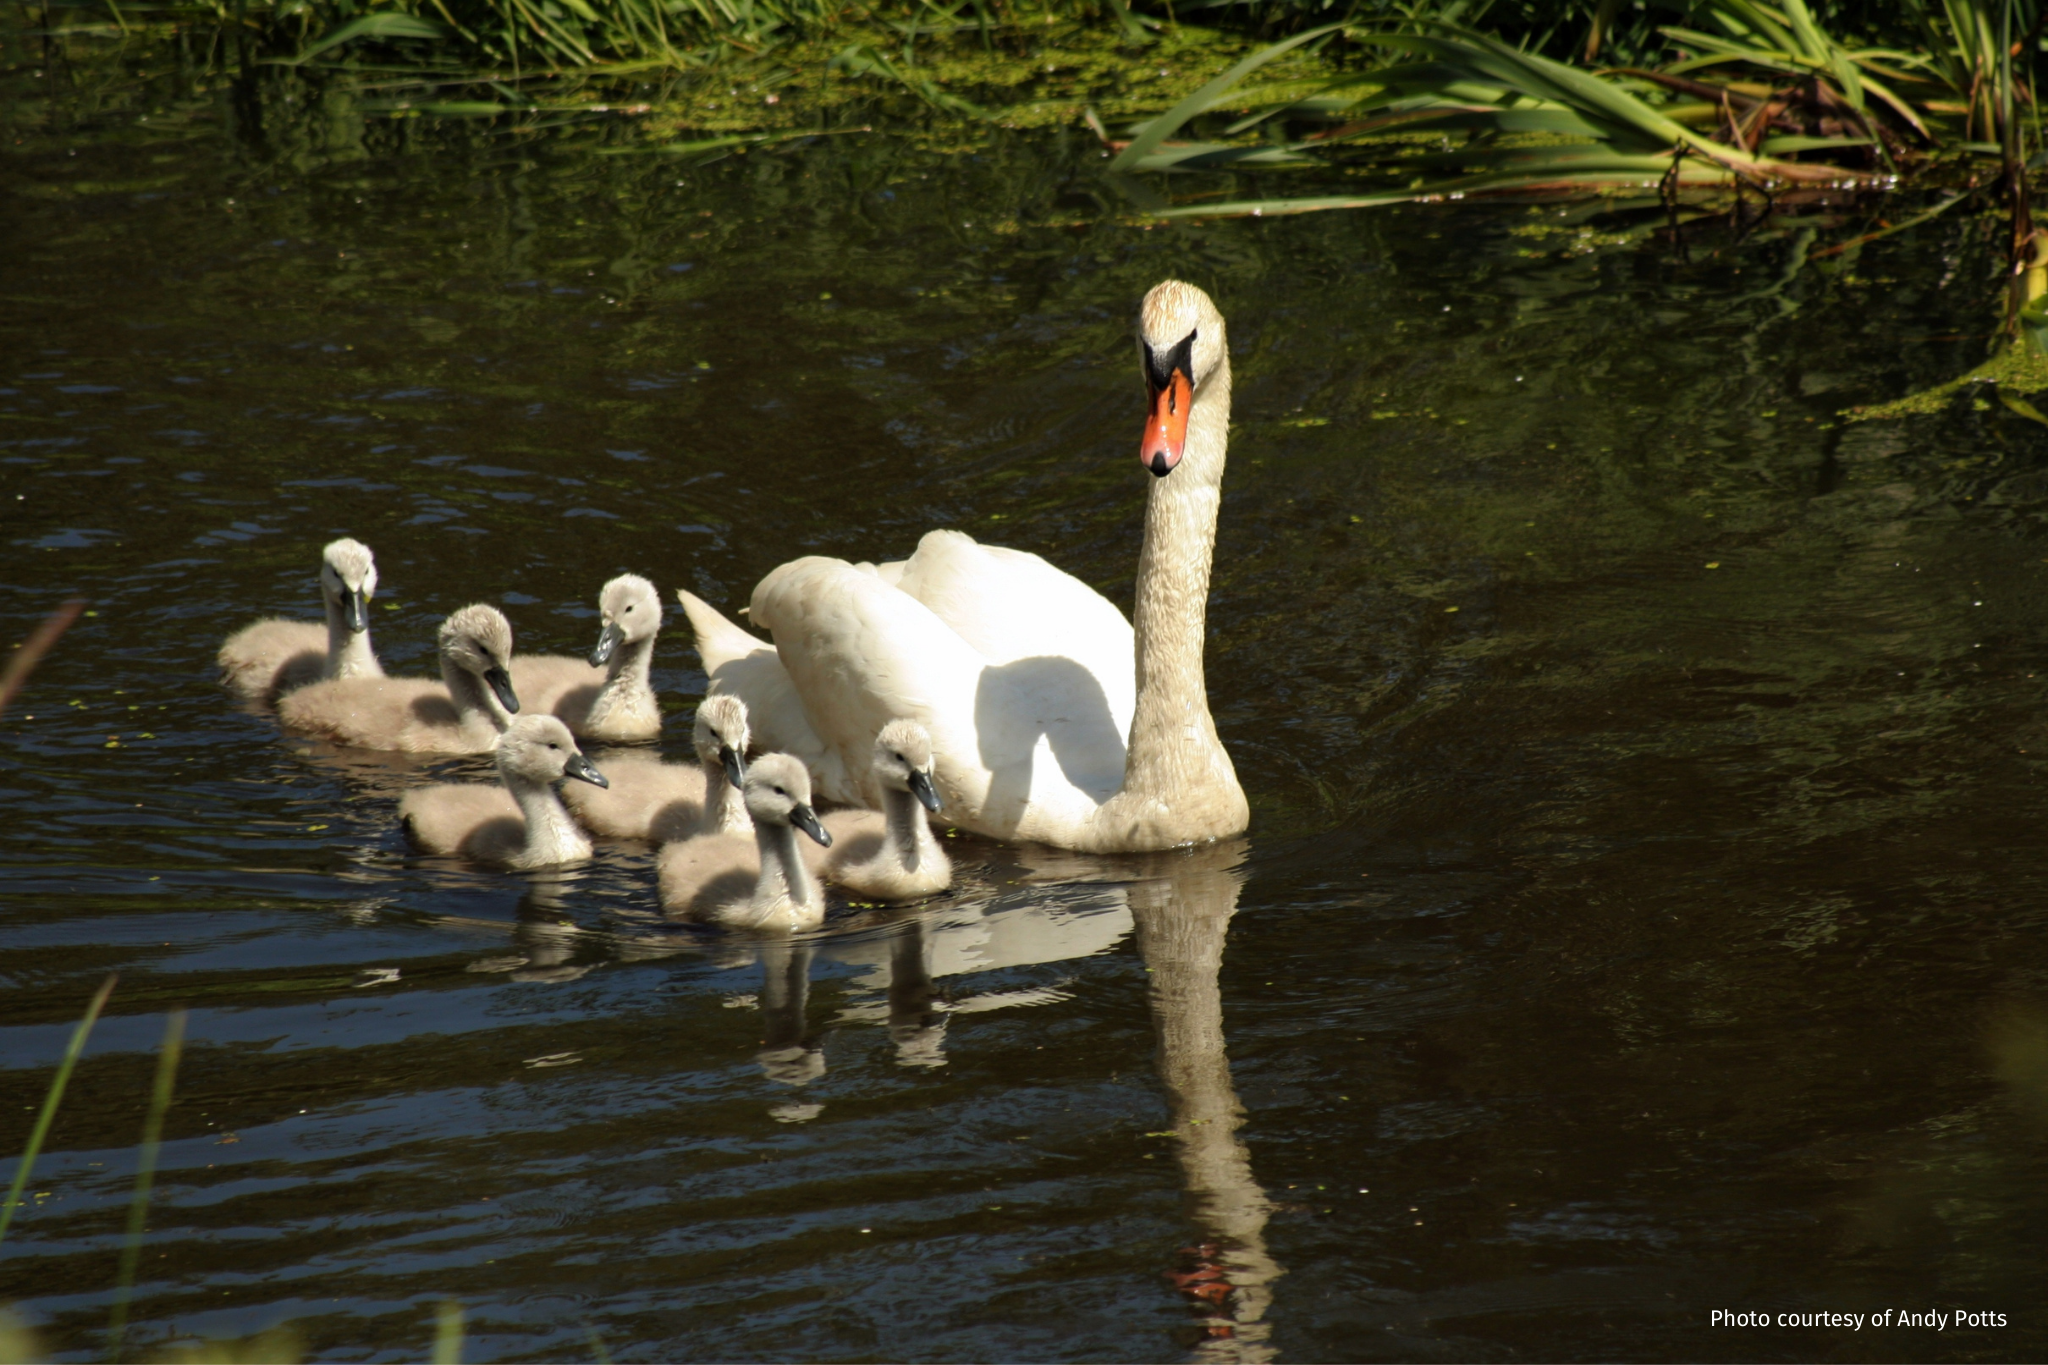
x=52 y=1100
x=1165 y=126
x=145 y=1177
x=1216 y=156
x=386 y=24
x=448 y=1333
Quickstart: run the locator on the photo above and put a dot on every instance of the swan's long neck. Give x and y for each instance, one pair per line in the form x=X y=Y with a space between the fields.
x=475 y=702
x=725 y=807
x=551 y=836
x=626 y=678
x=785 y=881
x=909 y=835
x=348 y=651
x=1173 y=739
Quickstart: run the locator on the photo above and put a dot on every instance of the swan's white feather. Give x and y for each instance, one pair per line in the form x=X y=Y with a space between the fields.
x=748 y=667
x=1011 y=604
x=1033 y=738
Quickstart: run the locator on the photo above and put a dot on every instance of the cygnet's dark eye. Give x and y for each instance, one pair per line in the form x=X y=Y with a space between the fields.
x=780 y=792
x=629 y=606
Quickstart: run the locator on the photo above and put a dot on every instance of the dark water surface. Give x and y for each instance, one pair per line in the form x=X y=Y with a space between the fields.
x=1642 y=913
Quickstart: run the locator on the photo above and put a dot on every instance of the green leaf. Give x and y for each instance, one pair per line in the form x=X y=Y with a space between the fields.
x=384 y=24
x=1163 y=127
x=1780 y=146
x=2022 y=407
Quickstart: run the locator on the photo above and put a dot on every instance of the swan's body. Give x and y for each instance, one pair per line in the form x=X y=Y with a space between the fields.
x=275 y=656
x=464 y=713
x=890 y=855
x=609 y=698
x=759 y=883
x=664 y=802
x=1015 y=669
x=520 y=824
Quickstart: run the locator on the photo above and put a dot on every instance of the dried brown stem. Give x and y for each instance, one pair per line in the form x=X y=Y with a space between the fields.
x=35 y=647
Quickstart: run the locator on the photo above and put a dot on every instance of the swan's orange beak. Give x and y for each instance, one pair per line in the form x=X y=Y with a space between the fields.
x=1166 y=430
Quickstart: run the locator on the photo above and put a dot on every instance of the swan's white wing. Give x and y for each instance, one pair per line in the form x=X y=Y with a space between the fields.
x=862 y=654
x=1011 y=605
x=745 y=666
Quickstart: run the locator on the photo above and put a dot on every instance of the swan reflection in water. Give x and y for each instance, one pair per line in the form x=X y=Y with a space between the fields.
x=922 y=961
x=1182 y=919
x=1180 y=906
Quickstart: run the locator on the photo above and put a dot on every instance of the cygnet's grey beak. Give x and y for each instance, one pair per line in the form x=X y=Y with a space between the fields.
x=805 y=819
x=610 y=640
x=355 y=611
x=579 y=768
x=921 y=787
x=501 y=683
x=735 y=769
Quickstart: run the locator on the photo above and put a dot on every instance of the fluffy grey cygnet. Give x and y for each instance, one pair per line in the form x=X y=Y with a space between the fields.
x=464 y=713
x=276 y=655
x=520 y=824
x=662 y=802
x=616 y=704
x=892 y=856
x=759 y=883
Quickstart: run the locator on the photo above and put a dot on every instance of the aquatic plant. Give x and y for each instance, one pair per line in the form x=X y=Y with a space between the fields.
x=1768 y=102
x=145 y=1178
x=51 y=1100
x=1753 y=98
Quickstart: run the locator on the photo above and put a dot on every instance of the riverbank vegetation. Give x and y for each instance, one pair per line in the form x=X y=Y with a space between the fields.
x=1884 y=114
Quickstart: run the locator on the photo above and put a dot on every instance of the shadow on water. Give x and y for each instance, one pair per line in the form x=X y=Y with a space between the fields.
x=1642 y=913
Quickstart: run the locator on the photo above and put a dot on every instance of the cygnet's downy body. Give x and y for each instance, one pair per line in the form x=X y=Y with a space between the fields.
x=663 y=802
x=272 y=657
x=891 y=856
x=464 y=713
x=610 y=697
x=759 y=883
x=521 y=824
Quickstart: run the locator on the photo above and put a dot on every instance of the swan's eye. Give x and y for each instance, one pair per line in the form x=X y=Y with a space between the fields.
x=629 y=609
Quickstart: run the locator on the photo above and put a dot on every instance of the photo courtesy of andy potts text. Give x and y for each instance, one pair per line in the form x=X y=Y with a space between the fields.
x=1856 y=1322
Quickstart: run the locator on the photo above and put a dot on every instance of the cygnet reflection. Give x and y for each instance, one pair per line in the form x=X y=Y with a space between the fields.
x=790 y=1054
x=917 y=1020
x=545 y=938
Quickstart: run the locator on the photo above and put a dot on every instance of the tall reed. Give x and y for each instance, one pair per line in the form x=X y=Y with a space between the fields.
x=145 y=1177
x=51 y=1100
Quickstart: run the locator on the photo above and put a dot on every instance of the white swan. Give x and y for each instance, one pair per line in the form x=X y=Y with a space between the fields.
x=662 y=802
x=891 y=856
x=759 y=883
x=609 y=698
x=1017 y=670
x=520 y=824
x=464 y=713
x=275 y=656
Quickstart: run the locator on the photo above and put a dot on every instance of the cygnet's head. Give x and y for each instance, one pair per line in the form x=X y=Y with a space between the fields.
x=779 y=793
x=903 y=761
x=1181 y=347
x=478 y=639
x=539 y=749
x=348 y=578
x=720 y=735
x=631 y=612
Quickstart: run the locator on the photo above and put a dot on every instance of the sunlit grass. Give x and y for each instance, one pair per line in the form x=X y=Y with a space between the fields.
x=51 y=1100
x=145 y=1177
